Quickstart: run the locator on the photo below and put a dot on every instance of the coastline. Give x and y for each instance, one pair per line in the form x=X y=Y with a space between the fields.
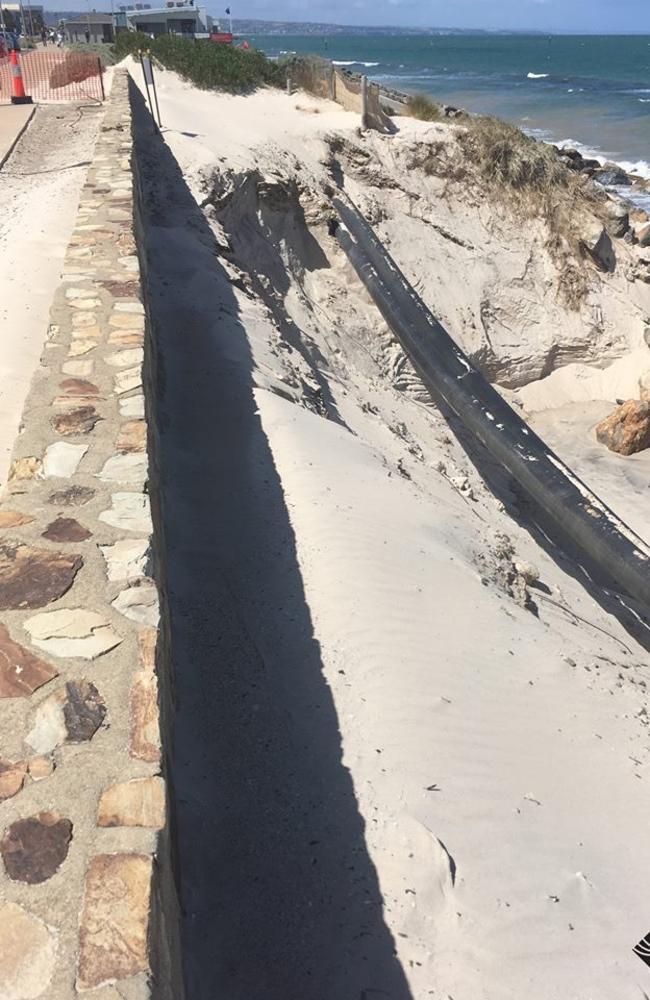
x=635 y=189
x=586 y=92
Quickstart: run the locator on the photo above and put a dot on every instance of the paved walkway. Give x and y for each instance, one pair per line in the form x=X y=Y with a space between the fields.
x=13 y=119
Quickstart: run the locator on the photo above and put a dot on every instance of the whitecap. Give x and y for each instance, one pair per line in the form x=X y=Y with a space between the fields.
x=537 y=76
x=353 y=62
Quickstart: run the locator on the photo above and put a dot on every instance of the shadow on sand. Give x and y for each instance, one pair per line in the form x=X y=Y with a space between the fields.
x=280 y=898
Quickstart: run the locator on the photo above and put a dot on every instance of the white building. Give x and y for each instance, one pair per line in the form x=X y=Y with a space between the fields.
x=92 y=27
x=176 y=17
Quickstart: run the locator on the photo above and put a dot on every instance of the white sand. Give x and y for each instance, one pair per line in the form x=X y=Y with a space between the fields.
x=519 y=742
x=39 y=204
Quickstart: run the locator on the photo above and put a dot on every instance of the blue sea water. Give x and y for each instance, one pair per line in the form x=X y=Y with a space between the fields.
x=589 y=91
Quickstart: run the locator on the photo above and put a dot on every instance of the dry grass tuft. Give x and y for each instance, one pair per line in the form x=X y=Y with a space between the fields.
x=507 y=158
x=528 y=178
x=422 y=107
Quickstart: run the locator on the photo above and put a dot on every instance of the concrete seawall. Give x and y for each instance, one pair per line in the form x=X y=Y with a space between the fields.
x=87 y=899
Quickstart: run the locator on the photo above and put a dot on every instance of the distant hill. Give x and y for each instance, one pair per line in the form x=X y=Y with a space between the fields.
x=257 y=27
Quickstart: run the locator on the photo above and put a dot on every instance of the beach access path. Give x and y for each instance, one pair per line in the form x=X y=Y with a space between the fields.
x=41 y=181
x=14 y=119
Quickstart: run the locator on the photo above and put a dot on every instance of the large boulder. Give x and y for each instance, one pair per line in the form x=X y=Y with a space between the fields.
x=596 y=241
x=627 y=429
x=642 y=233
x=617 y=219
x=611 y=174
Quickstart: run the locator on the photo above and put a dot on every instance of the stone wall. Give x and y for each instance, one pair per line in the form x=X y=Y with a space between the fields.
x=84 y=850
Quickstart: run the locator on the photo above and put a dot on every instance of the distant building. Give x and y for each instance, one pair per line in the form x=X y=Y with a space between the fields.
x=99 y=27
x=176 y=17
x=32 y=16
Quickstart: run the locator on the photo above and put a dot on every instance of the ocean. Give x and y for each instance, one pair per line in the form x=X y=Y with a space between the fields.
x=591 y=92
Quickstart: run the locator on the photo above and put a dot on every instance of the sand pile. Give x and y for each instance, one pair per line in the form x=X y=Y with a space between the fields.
x=490 y=715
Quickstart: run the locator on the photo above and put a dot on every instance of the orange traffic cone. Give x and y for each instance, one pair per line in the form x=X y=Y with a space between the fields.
x=19 y=96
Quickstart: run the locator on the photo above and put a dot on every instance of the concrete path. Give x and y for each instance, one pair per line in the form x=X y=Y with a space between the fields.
x=13 y=119
x=40 y=183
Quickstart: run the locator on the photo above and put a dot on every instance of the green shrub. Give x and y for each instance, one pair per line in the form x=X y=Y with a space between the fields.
x=208 y=65
x=129 y=43
x=104 y=52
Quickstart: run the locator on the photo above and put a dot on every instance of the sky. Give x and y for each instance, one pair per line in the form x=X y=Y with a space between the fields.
x=546 y=15
x=580 y=16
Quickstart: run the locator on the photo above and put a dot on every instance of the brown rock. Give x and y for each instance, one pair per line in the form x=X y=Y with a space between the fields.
x=144 y=742
x=32 y=578
x=66 y=529
x=34 y=849
x=115 y=919
x=132 y=436
x=147 y=640
x=627 y=429
x=81 y=420
x=40 y=767
x=73 y=496
x=78 y=387
x=127 y=321
x=126 y=243
x=73 y=714
x=83 y=711
x=126 y=338
x=24 y=469
x=67 y=403
x=12 y=778
x=140 y=802
x=21 y=672
x=27 y=954
x=13 y=519
x=123 y=289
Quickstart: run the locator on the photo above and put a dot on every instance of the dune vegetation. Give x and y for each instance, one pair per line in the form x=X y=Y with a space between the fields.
x=203 y=63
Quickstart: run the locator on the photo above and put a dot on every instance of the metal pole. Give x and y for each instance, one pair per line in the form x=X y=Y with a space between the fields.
x=155 y=94
x=22 y=16
x=101 y=77
x=31 y=21
x=144 y=76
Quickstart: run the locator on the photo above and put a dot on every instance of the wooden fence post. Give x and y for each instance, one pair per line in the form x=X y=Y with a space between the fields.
x=364 y=102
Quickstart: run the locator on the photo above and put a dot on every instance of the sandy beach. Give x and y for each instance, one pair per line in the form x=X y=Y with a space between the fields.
x=459 y=728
